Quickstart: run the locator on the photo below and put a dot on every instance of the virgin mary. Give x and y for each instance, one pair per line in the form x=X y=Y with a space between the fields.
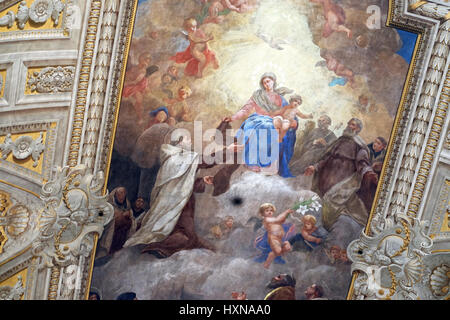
x=263 y=152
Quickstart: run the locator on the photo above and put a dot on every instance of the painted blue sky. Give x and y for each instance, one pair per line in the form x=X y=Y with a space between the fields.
x=409 y=42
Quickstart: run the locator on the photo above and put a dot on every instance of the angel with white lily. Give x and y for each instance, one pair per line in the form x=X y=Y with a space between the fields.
x=310 y=234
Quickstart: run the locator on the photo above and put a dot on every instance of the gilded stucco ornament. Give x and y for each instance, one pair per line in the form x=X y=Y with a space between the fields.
x=39 y=12
x=8 y=19
x=22 y=15
x=23 y=147
x=390 y=260
x=13 y=293
x=16 y=219
x=52 y=80
x=440 y=280
x=73 y=209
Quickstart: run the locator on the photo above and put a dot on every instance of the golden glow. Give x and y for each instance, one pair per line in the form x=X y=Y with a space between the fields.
x=11 y=282
x=28 y=162
x=30 y=25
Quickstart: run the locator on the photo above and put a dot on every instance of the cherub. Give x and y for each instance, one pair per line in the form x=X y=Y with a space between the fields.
x=310 y=234
x=284 y=119
x=166 y=82
x=223 y=228
x=335 y=18
x=343 y=256
x=178 y=108
x=135 y=73
x=275 y=231
x=338 y=68
x=334 y=253
x=198 y=54
x=218 y=6
x=138 y=89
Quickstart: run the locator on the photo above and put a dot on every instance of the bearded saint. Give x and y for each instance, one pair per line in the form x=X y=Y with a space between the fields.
x=338 y=177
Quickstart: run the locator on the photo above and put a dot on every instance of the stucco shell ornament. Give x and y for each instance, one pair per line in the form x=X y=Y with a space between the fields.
x=41 y=10
x=440 y=280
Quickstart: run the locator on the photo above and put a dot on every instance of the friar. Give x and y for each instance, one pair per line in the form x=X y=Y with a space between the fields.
x=168 y=226
x=338 y=176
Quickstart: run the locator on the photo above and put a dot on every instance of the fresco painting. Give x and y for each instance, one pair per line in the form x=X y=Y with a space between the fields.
x=250 y=141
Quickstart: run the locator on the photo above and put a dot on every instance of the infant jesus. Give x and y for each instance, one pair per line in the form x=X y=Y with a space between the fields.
x=284 y=119
x=275 y=231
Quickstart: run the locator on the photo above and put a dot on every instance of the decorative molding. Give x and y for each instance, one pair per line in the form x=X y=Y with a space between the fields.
x=440 y=280
x=23 y=147
x=390 y=260
x=413 y=152
x=438 y=231
x=26 y=22
x=111 y=112
x=14 y=218
x=2 y=82
x=13 y=293
x=74 y=211
x=5 y=203
x=52 y=80
x=34 y=148
x=83 y=81
x=100 y=82
x=39 y=12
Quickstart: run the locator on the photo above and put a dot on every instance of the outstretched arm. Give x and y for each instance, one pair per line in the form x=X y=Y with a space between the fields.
x=248 y=108
x=304 y=116
x=282 y=216
x=310 y=238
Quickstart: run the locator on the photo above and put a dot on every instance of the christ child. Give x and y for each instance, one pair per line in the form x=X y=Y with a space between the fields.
x=199 y=47
x=275 y=231
x=284 y=119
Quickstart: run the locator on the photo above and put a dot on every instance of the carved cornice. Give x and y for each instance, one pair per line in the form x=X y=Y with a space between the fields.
x=100 y=82
x=83 y=81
